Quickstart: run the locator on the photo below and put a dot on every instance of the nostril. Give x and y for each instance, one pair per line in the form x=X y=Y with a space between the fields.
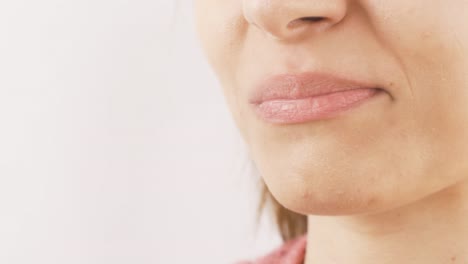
x=305 y=20
x=312 y=19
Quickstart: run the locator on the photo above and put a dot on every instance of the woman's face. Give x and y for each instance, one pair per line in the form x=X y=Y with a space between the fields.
x=405 y=142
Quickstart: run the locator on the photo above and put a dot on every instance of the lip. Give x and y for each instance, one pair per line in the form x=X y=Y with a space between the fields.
x=309 y=96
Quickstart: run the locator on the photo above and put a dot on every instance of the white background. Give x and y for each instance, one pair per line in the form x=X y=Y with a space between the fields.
x=115 y=142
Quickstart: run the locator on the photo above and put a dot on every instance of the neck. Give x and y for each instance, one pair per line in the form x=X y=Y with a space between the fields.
x=431 y=230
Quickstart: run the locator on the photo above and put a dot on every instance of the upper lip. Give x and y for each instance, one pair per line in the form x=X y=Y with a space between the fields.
x=302 y=85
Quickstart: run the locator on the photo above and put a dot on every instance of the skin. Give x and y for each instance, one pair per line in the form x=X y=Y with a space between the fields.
x=385 y=182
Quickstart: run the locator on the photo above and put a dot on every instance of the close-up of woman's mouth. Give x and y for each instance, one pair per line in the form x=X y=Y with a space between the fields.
x=234 y=132
x=353 y=118
x=309 y=96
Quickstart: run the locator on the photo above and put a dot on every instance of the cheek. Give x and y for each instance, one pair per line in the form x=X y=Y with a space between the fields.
x=433 y=54
x=220 y=29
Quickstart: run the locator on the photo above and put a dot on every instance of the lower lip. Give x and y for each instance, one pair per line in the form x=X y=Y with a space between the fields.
x=307 y=109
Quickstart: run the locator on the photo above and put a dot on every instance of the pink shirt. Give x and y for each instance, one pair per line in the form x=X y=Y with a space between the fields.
x=291 y=252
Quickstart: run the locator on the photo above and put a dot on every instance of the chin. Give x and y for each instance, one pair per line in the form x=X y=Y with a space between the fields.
x=310 y=200
x=333 y=192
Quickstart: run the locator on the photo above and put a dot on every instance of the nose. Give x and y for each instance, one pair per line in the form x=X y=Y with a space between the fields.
x=292 y=19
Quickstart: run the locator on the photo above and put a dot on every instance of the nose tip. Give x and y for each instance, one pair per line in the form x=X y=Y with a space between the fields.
x=289 y=20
